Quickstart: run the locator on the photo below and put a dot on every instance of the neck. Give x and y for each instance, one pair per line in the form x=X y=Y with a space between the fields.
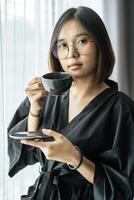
x=82 y=88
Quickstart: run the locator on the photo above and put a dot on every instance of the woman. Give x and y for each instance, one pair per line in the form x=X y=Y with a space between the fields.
x=92 y=156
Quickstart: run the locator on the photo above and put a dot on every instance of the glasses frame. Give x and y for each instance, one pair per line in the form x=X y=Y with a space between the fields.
x=53 y=50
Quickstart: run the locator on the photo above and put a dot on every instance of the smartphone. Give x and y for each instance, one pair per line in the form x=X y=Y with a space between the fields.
x=31 y=135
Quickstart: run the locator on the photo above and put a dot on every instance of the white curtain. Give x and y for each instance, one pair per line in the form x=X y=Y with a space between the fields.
x=25 y=32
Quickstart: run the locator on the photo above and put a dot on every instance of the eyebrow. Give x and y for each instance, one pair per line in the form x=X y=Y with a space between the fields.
x=59 y=40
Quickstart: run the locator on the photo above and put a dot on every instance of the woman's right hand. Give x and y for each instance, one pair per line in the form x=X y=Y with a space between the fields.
x=36 y=93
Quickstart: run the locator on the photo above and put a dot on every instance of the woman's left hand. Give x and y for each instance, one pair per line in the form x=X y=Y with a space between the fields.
x=61 y=149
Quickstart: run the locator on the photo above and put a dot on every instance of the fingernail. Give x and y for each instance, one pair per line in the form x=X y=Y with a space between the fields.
x=44 y=130
x=22 y=141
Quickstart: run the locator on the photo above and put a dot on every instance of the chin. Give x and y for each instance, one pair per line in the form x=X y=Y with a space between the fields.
x=77 y=75
x=80 y=75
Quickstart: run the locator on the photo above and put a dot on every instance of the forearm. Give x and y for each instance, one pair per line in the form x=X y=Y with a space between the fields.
x=87 y=169
x=33 y=120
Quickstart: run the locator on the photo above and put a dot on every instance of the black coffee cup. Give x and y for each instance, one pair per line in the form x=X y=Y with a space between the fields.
x=57 y=83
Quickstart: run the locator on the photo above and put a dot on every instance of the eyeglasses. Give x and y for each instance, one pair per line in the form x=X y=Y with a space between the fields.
x=82 y=46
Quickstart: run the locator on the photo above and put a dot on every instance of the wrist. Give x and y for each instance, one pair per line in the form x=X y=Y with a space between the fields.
x=76 y=160
x=34 y=112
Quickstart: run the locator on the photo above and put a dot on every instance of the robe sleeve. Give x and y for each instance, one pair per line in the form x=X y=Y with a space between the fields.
x=20 y=155
x=114 y=171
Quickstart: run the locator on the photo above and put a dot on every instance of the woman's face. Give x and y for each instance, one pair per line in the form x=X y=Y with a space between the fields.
x=81 y=59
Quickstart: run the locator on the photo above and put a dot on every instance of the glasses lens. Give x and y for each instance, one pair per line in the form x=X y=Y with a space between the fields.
x=62 y=52
x=83 y=47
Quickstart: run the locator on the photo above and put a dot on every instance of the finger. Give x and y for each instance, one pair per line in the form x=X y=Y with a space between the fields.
x=52 y=133
x=40 y=95
x=33 y=143
x=34 y=87
x=41 y=92
x=35 y=80
x=34 y=93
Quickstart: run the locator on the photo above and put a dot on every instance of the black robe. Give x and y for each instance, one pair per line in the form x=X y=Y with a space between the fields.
x=103 y=130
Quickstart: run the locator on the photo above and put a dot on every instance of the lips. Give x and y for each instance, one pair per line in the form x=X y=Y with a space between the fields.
x=74 y=65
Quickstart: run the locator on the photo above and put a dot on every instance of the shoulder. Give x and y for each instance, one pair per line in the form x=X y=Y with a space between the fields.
x=123 y=100
x=118 y=98
x=123 y=107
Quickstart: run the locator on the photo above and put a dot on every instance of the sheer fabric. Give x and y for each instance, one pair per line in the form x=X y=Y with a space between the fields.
x=25 y=32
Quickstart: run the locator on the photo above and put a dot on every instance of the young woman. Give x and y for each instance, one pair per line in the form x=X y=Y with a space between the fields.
x=92 y=156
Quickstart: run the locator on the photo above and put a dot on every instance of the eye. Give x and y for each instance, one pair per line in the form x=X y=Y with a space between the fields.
x=61 y=45
x=82 y=41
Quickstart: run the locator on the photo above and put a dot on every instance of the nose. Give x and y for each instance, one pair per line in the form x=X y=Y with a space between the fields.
x=72 y=52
